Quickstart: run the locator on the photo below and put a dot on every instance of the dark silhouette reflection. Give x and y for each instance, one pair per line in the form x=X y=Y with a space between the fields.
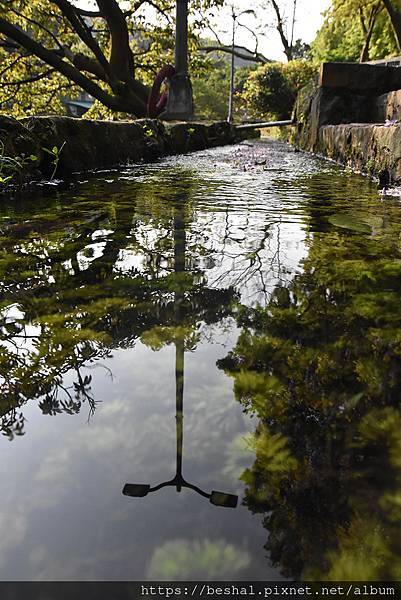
x=139 y=490
x=321 y=368
x=77 y=283
x=178 y=481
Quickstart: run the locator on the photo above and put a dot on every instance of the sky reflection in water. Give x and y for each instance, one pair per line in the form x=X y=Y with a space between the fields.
x=104 y=285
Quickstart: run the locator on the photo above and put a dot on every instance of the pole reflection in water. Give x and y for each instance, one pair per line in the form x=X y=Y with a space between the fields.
x=141 y=490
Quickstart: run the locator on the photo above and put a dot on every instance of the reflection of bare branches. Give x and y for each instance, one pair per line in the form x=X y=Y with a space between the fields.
x=258 y=267
x=73 y=291
x=101 y=366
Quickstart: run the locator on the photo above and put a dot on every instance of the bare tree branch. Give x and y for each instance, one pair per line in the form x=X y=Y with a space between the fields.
x=79 y=26
x=281 y=31
x=251 y=57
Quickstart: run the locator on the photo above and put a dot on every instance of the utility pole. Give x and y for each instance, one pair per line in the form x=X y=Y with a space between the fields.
x=232 y=73
x=294 y=15
x=180 y=101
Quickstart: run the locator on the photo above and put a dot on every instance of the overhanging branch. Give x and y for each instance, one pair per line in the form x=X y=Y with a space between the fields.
x=52 y=59
x=251 y=57
x=80 y=28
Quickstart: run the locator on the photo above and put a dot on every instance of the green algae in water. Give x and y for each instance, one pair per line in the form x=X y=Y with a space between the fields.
x=163 y=261
x=327 y=446
x=349 y=222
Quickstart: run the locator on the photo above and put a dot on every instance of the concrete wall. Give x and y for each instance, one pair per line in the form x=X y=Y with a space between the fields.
x=104 y=144
x=352 y=116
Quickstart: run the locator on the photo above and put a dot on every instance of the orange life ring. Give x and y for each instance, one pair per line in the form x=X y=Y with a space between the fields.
x=157 y=102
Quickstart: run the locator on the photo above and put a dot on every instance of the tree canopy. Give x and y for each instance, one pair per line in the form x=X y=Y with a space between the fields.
x=112 y=53
x=356 y=30
x=55 y=49
x=320 y=366
x=270 y=91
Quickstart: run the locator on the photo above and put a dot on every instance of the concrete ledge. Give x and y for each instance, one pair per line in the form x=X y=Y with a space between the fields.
x=353 y=117
x=91 y=145
x=361 y=78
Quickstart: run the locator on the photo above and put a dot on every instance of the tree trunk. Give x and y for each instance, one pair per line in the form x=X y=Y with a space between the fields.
x=395 y=17
x=130 y=96
x=368 y=31
x=280 y=28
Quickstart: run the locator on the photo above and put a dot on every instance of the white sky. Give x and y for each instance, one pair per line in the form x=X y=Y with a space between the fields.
x=309 y=19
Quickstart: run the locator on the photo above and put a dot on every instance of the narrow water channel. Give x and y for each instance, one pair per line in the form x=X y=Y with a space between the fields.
x=233 y=314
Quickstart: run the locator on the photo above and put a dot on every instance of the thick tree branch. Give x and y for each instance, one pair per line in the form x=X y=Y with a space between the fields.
x=362 y=20
x=368 y=30
x=121 y=59
x=131 y=104
x=83 y=32
x=93 y=14
x=84 y=63
x=395 y=17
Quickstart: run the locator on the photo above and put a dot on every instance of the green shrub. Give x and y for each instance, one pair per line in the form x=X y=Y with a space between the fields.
x=271 y=90
x=211 y=90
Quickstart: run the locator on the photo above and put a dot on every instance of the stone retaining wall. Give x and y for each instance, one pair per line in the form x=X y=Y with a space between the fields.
x=357 y=127
x=372 y=149
x=103 y=144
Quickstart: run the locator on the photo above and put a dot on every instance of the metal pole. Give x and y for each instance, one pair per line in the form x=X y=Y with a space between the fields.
x=179 y=399
x=294 y=14
x=180 y=102
x=179 y=268
x=231 y=98
x=181 y=38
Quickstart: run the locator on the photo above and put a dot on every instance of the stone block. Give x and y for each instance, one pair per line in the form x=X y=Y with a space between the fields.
x=97 y=144
x=356 y=77
x=187 y=137
x=370 y=148
x=318 y=106
x=388 y=107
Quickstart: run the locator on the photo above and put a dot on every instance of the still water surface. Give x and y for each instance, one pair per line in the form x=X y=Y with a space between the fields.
x=233 y=287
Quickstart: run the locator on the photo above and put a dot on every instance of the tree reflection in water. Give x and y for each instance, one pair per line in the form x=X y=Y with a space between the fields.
x=320 y=365
x=73 y=289
x=321 y=368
